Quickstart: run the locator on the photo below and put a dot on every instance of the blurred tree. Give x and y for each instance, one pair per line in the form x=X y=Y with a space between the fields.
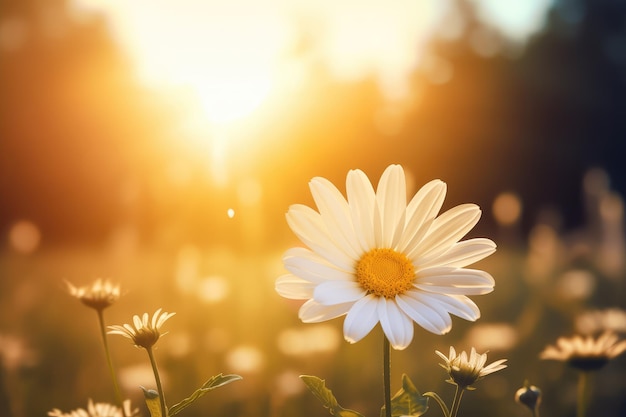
x=78 y=132
x=73 y=122
x=534 y=118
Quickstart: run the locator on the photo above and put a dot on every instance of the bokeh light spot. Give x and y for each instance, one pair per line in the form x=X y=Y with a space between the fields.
x=213 y=289
x=507 y=208
x=288 y=383
x=24 y=236
x=308 y=341
x=597 y=321
x=575 y=285
x=245 y=359
x=139 y=375
x=13 y=33
x=492 y=336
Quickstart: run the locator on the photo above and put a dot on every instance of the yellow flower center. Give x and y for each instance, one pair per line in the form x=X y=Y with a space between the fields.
x=385 y=272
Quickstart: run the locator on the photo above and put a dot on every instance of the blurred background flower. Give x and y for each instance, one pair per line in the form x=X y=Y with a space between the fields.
x=160 y=144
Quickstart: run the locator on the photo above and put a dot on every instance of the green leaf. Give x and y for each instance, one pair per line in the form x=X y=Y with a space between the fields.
x=152 y=401
x=215 y=382
x=318 y=388
x=408 y=401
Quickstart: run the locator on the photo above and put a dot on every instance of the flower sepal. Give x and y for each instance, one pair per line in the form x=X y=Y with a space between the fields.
x=407 y=401
x=153 y=402
x=318 y=387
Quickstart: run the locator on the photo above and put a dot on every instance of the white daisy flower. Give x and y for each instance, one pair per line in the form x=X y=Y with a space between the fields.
x=464 y=370
x=99 y=295
x=376 y=259
x=586 y=353
x=143 y=332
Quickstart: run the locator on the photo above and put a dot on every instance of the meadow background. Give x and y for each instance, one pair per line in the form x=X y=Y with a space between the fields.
x=160 y=145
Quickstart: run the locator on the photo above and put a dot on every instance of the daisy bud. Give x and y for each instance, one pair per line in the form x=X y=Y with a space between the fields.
x=529 y=395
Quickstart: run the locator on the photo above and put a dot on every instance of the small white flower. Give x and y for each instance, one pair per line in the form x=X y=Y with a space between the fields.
x=377 y=259
x=585 y=353
x=99 y=295
x=98 y=410
x=144 y=333
x=465 y=370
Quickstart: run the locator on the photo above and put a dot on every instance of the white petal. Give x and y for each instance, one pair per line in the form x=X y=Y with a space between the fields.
x=362 y=200
x=459 y=305
x=422 y=210
x=431 y=319
x=361 y=319
x=442 y=356
x=391 y=199
x=397 y=326
x=166 y=316
x=314 y=312
x=493 y=367
x=312 y=267
x=145 y=319
x=307 y=224
x=455 y=281
x=335 y=213
x=462 y=254
x=378 y=226
x=155 y=318
x=120 y=330
x=446 y=230
x=294 y=288
x=338 y=292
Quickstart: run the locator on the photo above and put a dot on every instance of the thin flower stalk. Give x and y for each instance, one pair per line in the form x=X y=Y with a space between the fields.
x=456 y=402
x=145 y=333
x=116 y=387
x=157 y=378
x=583 y=394
x=100 y=295
x=387 y=375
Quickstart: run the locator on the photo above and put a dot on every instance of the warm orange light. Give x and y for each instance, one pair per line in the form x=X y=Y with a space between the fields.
x=507 y=208
x=24 y=236
x=218 y=62
x=222 y=55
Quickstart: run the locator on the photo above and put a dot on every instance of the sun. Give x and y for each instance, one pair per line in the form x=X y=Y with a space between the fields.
x=222 y=55
x=232 y=94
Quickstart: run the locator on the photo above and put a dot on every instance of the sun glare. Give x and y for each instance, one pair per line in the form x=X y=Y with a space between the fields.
x=222 y=54
x=228 y=53
x=217 y=62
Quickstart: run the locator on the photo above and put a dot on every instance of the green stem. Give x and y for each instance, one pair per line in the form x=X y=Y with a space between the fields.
x=155 y=370
x=458 y=394
x=581 y=408
x=116 y=387
x=387 y=375
x=436 y=397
